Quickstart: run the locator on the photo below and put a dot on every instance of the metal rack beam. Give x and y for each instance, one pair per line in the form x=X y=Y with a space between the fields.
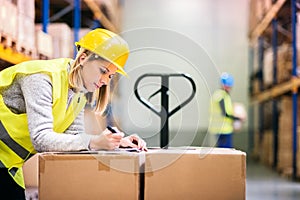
x=100 y=16
x=45 y=17
x=277 y=90
x=77 y=22
x=261 y=27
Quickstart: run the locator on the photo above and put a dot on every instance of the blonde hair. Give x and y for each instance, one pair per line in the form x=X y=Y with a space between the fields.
x=100 y=96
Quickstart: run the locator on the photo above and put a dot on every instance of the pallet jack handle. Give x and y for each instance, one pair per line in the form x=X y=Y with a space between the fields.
x=164 y=113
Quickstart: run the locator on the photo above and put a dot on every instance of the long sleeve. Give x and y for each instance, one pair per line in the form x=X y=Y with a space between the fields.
x=37 y=93
x=224 y=112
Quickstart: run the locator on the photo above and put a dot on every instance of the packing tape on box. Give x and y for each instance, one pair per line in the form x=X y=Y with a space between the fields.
x=103 y=164
x=126 y=162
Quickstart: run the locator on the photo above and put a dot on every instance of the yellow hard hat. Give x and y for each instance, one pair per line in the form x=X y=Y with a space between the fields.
x=108 y=45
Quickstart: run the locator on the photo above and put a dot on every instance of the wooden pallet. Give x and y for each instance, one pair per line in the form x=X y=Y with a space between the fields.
x=28 y=51
x=286 y=173
x=42 y=57
x=8 y=41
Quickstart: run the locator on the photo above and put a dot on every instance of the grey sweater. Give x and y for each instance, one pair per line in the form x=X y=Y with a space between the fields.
x=32 y=94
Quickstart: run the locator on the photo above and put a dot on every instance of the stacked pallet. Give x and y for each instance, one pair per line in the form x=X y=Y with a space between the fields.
x=267 y=153
x=256 y=146
x=17 y=26
x=285 y=136
x=284 y=65
x=59 y=40
x=19 y=32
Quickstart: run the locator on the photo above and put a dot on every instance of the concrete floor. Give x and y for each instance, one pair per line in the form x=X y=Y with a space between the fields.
x=263 y=183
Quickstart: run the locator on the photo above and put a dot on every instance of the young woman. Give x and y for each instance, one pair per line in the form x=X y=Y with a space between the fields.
x=42 y=101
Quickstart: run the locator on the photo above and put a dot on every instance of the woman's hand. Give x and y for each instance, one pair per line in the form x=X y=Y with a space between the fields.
x=106 y=140
x=110 y=141
x=133 y=141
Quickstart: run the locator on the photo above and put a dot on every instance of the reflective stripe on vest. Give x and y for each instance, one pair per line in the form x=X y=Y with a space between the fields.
x=15 y=143
x=2 y=165
x=8 y=141
x=220 y=124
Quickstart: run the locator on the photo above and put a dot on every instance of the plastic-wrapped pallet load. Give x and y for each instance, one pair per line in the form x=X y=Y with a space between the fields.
x=285 y=137
x=2 y=15
x=44 y=44
x=61 y=36
x=62 y=44
x=268 y=68
x=267 y=153
x=8 y=17
x=26 y=27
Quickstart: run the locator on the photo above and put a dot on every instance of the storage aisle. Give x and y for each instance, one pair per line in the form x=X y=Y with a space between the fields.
x=265 y=183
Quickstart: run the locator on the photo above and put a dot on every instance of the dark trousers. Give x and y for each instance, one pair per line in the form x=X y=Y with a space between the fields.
x=224 y=140
x=9 y=188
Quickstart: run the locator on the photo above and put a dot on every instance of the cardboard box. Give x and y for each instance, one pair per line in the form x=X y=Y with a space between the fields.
x=105 y=175
x=206 y=173
x=203 y=173
x=30 y=171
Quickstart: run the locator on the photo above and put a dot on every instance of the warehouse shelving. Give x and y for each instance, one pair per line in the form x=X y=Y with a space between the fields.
x=17 y=43
x=277 y=90
x=257 y=36
x=261 y=27
x=90 y=10
x=99 y=15
x=60 y=11
x=103 y=12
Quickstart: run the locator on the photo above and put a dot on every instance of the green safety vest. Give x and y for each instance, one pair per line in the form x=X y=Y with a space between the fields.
x=220 y=124
x=15 y=143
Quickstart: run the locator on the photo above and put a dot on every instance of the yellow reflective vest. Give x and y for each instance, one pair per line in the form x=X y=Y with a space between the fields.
x=220 y=124
x=15 y=143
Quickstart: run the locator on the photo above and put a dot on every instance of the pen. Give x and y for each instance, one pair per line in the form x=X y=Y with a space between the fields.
x=114 y=131
x=111 y=129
